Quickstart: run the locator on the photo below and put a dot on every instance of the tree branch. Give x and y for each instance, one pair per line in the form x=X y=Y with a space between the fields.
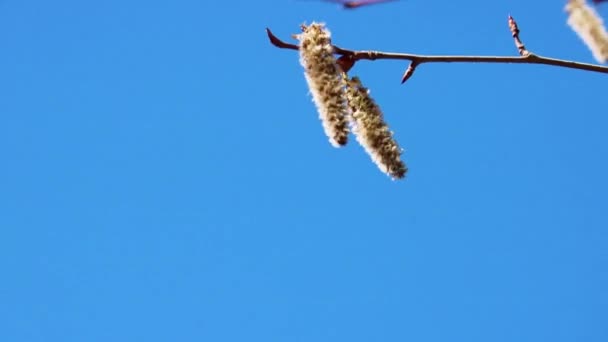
x=525 y=58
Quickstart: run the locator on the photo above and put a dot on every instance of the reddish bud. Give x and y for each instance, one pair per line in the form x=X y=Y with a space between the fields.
x=408 y=72
x=346 y=62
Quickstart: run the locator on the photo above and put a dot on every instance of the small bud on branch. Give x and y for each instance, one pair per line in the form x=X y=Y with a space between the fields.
x=409 y=72
x=515 y=33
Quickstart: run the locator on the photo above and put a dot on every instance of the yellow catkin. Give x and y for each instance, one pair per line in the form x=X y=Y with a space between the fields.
x=372 y=132
x=588 y=25
x=324 y=78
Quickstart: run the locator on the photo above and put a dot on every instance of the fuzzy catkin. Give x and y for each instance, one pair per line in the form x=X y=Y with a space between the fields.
x=324 y=78
x=588 y=25
x=372 y=132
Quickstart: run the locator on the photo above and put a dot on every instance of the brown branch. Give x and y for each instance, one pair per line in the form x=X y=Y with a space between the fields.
x=420 y=59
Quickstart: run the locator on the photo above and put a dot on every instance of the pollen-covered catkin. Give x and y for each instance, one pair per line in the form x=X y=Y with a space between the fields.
x=372 y=132
x=324 y=78
x=588 y=25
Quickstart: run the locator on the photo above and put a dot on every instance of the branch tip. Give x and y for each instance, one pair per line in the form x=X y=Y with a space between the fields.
x=513 y=27
x=274 y=40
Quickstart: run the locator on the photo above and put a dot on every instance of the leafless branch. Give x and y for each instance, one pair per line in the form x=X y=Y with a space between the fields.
x=350 y=57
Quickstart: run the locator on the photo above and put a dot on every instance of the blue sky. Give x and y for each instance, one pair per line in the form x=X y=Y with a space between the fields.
x=165 y=177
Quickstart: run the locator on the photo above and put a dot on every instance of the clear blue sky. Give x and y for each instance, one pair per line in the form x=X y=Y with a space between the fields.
x=165 y=177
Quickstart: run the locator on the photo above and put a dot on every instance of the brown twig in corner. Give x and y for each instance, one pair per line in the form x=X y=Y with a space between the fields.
x=529 y=58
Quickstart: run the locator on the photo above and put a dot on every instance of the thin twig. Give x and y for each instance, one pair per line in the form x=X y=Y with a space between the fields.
x=521 y=48
x=420 y=59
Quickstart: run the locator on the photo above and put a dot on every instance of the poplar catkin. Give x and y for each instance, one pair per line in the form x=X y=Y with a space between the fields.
x=324 y=78
x=372 y=132
x=588 y=25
